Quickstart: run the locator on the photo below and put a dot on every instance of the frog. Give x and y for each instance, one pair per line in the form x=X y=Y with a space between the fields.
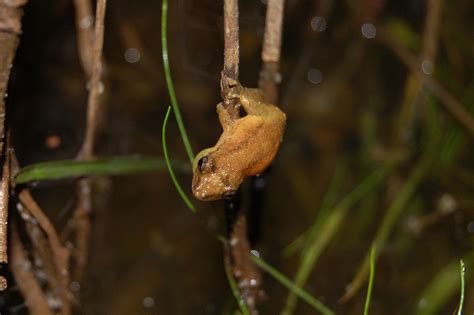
x=246 y=147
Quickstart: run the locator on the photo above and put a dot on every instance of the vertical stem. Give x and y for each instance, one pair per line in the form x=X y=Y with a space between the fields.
x=11 y=12
x=230 y=72
x=83 y=208
x=269 y=75
x=96 y=87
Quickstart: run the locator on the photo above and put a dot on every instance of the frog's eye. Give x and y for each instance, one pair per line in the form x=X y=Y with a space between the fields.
x=203 y=163
x=229 y=194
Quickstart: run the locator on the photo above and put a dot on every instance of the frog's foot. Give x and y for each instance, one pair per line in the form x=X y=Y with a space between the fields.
x=224 y=117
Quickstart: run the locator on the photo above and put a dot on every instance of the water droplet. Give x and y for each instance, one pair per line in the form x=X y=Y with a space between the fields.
x=148 y=302
x=253 y=282
x=264 y=1
x=6 y=95
x=368 y=30
x=314 y=76
x=86 y=22
x=447 y=203
x=255 y=253
x=132 y=55
x=422 y=303
x=74 y=286
x=427 y=67
x=101 y=87
x=318 y=24
x=470 y=227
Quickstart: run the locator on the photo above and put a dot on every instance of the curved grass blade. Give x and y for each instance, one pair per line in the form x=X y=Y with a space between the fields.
x=54 y=170
x=371 y=280
x=442 y=288
x=461 y=298
x=169 y=81
x=302 y=294
x=168 y=164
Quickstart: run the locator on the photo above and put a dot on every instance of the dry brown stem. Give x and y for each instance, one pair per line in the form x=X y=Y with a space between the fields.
x=4 y=196
x=269 y=75
x=414 y=83
x=11 y=12
x=248 y=276
x=96 y=87
x=90 y=49
x=230 y=72
x=10 y=31
x=60 y=253
x=34 y=297
x=85 y=34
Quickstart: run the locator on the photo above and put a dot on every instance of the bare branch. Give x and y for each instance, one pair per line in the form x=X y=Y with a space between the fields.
x=85 y=34
x=4 y=196
x=449 y=102
x=269 y=75
x=35 y=299
x=230 y=72
x=96 y=87
x=11 y=12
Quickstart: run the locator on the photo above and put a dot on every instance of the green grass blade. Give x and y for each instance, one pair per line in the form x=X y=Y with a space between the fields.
x=305 y=296
x=169 y=81
x=168 y=164
x=461 y=298
x=235 y=291
x=442 y=289
x=54 y=170
x=330 y=227
x=390 y=219
x=371 y=281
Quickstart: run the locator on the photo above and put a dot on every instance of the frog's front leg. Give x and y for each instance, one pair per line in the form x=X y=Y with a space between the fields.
x=224 y=117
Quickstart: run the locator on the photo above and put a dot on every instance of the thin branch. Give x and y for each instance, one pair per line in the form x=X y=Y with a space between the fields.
x=85 y=34
x=60 y=252
x=34 y=297
x=4 y=196
x=11 y=12
x=449 y=102
x=414 y=83
x=230 y=72
x=96 y=86
x=92 y=51
x=269 y=75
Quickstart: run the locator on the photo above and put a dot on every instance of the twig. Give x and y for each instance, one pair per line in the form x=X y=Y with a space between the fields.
x=230 y=72
x=11 y=12
x=269 y=75
x=449 y=102
x=4 y=197
x=414 y=83
x=81 y=220
x=96 y=86
x=85 y=34
x=35 y=299
x=238 y=254
x=10 y=30
x=59 y=252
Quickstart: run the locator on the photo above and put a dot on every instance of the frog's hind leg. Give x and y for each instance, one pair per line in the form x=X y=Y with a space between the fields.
x=224 y=117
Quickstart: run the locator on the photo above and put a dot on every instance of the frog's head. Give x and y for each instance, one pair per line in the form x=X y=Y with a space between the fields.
x=210 y=182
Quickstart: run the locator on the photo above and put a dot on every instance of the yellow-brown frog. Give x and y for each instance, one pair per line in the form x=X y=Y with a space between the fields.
x=245 y=148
